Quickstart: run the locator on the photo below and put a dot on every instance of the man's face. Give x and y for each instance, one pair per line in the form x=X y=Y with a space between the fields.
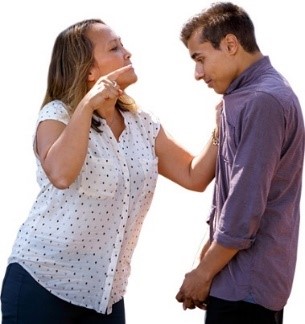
x=216 y=67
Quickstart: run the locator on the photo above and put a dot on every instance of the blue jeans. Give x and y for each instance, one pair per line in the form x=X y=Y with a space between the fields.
x=25 y=301
x=220 y=311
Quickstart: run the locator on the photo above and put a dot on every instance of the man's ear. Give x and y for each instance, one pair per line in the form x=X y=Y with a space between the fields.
x=231 y=44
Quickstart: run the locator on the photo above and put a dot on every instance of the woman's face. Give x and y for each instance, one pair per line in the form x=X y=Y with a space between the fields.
x=109 y=54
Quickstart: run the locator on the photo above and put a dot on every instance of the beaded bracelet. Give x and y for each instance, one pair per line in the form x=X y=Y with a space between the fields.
x=215 y=140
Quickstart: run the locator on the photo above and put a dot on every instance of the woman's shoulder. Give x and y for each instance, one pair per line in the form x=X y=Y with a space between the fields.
x=147 y=116
x=146 y=122
x=55 y=110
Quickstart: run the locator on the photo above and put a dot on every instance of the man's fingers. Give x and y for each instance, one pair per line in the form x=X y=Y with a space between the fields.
x=179 y=297
x=188 y=304
x=200 y=304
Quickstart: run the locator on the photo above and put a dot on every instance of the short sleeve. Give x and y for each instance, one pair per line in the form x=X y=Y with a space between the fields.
x=151 y=123
x=54 y=110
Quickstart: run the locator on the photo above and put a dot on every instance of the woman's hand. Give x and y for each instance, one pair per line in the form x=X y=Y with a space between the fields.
x=105 y=91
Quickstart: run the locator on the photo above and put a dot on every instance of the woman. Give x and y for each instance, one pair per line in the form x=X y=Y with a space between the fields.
x=98 y=158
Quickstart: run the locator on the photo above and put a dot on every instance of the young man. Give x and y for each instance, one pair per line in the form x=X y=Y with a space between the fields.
x=247 y=267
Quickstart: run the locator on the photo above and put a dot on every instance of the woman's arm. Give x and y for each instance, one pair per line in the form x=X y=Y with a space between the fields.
x=62 y=148
x=180 y=166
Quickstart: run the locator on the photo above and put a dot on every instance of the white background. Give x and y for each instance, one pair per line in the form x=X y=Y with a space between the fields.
x=175 y=226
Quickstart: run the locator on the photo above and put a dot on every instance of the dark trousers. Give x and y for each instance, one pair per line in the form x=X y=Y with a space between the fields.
x=24 y=301
x=221 y=311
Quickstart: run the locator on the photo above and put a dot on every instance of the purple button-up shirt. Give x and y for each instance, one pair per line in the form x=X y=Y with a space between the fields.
x=258 y=187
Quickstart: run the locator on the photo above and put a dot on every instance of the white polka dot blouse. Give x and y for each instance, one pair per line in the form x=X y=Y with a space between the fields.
x=78 y=242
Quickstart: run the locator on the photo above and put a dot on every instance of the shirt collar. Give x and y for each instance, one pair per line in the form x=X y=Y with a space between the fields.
x=250 y=74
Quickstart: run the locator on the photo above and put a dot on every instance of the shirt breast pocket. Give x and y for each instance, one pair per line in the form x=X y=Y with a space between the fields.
x=99 y=178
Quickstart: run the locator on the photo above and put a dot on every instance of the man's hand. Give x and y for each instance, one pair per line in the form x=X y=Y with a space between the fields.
x=194 y=290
